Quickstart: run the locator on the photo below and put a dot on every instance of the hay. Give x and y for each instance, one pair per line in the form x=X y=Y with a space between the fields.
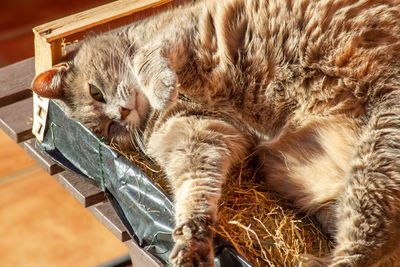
x=262 y=226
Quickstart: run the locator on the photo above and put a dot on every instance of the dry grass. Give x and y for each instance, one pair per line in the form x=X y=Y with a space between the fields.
x=262 y=226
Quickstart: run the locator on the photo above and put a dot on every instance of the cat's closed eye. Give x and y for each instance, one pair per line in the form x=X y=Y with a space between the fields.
x=96 y=93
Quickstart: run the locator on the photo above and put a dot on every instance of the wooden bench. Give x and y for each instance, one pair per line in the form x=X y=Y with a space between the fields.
x=16 y=122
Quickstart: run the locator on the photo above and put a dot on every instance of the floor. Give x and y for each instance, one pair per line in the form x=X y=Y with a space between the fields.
x=40 y=223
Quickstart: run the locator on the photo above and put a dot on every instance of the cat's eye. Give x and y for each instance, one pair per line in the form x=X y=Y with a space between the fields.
x=96 y=93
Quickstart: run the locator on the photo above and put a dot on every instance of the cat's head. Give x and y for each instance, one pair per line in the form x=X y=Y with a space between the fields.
x=96 y=87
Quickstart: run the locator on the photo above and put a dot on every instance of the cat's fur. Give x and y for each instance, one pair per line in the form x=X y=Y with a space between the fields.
x=312 y=86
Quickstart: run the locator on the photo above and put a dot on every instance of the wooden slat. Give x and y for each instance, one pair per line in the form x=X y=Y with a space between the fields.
x=15 y=81
x=46 y=55
x=16 y=120
x=106 y=214
x=44 y=161
x=86 y=193
x=141 y=257
x=93 y=17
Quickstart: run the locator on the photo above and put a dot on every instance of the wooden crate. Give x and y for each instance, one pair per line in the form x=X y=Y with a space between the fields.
x=49 y=41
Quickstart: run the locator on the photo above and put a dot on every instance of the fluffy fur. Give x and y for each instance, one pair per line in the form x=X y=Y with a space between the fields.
x=312 y=86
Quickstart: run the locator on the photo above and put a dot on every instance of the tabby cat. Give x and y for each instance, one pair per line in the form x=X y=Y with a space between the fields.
x=313 y=87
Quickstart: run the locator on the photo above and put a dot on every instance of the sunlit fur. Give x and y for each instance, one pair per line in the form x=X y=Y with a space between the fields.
x=312 y=87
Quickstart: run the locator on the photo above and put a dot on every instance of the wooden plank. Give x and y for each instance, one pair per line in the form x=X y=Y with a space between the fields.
x=44 y=161
x=46 y=55
x=106 y=214
x=15 y=81
x=16 y=120
x=93 y=17
x=141 y=257
x=86 y=193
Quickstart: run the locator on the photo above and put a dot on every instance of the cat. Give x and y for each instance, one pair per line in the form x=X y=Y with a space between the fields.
x=312 y=87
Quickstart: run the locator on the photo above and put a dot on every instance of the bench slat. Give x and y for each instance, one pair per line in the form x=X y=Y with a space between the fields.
x=86 y=193
x=45 y=162
x=15 y=81
x=16 y=120
x=141 y=257
x=106 y=214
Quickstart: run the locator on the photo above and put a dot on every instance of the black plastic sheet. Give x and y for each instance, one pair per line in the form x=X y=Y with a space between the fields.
x=143 y=207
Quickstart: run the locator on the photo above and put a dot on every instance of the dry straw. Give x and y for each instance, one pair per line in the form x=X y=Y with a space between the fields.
x=261 y=225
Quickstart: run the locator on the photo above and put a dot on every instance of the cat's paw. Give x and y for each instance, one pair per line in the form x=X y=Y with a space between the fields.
x=192 y=252
x=313 y=261
x=349 y=260
x=193 y=245
x=155 y=77
x=163 y=89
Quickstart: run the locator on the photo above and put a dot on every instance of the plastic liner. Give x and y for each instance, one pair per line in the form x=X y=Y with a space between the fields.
x=146 y=211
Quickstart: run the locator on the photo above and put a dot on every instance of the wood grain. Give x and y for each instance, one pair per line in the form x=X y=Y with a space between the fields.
x=141 y=257
x=90 y=18
x=16 y=120
x=46 y=55
x=15 y=81
x=106 y=214
x=86 y=193
x=44 y=161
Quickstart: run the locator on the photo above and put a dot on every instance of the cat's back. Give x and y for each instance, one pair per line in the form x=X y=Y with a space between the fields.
x=328 y=32
x=273 y=59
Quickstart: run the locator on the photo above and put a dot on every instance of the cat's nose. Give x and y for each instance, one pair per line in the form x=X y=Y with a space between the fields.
x=124 y=112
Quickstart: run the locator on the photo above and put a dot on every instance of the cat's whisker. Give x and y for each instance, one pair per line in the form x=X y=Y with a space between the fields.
x=139 y=141
x=126 y=62
x=136 y=140
x=133 y=140
x=112 y=56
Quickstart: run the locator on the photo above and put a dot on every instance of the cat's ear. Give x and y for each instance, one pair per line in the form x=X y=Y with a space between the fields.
x=49 y=83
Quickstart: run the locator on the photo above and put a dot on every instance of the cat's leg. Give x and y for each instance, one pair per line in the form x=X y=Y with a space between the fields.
x=368 y=211
x=310 y=164
x=196 y=155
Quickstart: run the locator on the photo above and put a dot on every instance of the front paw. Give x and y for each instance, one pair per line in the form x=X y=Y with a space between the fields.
x=155 y=77
x=313 y=261
x=193 y=245
x=163 y=89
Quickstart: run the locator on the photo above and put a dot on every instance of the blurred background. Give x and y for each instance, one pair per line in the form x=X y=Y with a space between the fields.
x=40 y=223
